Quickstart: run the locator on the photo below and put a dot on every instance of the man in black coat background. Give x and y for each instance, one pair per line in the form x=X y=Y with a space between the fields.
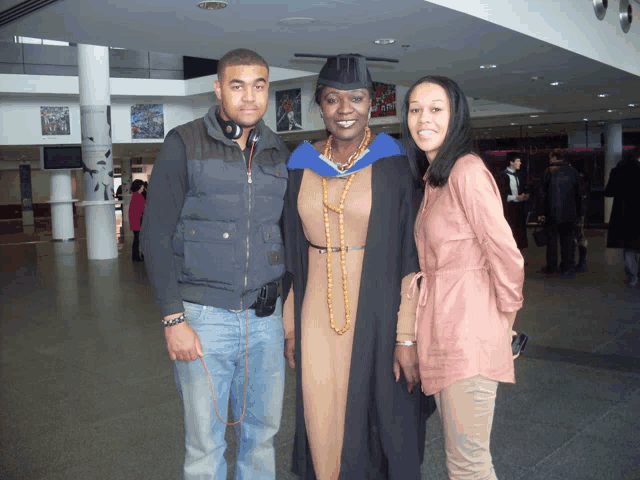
x=514 y=197
x=624 y=224
x=561 y=205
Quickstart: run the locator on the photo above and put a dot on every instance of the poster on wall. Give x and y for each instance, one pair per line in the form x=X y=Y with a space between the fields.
x=55 y=121
x=289 y=110
x=147 y=121
x=385 y=104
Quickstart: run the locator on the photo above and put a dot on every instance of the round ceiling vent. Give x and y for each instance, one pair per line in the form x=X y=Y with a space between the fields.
x=600 y=8
x=626 y=15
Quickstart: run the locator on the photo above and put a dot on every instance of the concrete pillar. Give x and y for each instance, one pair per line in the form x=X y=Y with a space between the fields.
x=26 y=196
x=61 y=206
x=127 y=180
x=95 y=127
x=612 y=155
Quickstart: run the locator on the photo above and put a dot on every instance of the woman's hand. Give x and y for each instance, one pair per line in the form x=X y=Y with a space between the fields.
x=289 y=351
x=405 y=358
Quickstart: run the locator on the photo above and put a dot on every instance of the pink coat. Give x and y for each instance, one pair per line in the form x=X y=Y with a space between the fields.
x=472 y=274
x=136 y=209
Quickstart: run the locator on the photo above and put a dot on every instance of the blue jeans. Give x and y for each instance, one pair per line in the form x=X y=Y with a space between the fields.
x=222 y=335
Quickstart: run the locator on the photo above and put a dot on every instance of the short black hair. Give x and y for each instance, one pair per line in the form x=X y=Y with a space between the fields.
x=558 y=153
x=136 y=185
x=458 y=141
x=240 y=56
x=511 y=157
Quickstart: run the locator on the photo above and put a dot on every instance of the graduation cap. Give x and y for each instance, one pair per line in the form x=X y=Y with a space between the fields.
x=347 y=71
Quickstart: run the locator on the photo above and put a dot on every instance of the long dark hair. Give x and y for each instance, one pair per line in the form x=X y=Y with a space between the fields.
x=457 y=142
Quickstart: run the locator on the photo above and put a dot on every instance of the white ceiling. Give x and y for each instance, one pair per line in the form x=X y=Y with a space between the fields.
x=439 y=41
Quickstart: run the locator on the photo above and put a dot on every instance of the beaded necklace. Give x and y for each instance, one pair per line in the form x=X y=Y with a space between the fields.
x=340 y=211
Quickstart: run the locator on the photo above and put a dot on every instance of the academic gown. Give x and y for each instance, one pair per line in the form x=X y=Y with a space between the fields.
x=384 y=430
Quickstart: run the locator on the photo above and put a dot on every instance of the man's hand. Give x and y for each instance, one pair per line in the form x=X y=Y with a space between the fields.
x=183 y=342
x=289 y=351
x=541 y=218
x=405 y=357
x=522 y=197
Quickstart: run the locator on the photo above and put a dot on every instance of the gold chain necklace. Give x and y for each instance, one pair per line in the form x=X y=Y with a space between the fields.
x=326 y=206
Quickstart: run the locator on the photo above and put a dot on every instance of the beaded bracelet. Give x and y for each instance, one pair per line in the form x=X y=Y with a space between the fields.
x=406 y=343
x=173 y=321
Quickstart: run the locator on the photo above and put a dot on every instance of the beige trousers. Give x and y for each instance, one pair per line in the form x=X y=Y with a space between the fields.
x=466 y=410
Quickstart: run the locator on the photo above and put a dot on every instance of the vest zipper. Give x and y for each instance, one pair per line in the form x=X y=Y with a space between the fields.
x=249 y=182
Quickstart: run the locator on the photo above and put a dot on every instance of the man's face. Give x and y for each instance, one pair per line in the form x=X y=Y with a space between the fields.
x=243 y=91
x=516 y=164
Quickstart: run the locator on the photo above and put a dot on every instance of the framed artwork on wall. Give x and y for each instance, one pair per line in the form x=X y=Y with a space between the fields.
x=385 y=104
x=147 y=121
x=55 y=121
x=289 y=110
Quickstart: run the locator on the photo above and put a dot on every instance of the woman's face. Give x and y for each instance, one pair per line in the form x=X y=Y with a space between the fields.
x=428 y=119
x=345 y=112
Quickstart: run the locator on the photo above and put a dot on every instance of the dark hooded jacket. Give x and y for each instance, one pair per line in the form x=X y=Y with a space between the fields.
x=624 y=224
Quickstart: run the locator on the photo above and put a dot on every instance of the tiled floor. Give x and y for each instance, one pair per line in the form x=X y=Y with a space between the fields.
x=86 y=387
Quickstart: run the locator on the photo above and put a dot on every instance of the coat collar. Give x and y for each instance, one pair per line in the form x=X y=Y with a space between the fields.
x=306 y=156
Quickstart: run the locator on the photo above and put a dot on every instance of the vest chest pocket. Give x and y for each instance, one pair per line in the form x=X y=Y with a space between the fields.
x=274 y=244
x=209 y=251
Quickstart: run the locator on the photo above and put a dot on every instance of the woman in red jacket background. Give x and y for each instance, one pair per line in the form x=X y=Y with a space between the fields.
x=136 y=209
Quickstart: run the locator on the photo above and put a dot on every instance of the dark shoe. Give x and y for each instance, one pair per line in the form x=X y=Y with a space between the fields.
x=582 y=267
x=549 y=270
x=136 y=258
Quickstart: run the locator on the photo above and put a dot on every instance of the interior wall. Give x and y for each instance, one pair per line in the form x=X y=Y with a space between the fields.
x=20 y=119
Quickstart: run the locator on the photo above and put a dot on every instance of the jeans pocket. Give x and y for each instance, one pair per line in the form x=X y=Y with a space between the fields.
x=193 y=312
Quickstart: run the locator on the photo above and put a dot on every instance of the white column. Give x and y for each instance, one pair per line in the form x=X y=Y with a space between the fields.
x=95 y=123
x=612 y=155
x=61 y=205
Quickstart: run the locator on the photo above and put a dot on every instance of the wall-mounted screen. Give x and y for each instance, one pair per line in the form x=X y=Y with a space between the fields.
x=58 y=158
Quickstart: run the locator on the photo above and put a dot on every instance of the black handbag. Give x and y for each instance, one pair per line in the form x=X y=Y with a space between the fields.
x=541 y=236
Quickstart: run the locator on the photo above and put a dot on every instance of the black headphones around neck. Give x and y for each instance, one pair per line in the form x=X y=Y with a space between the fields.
x=233 y=131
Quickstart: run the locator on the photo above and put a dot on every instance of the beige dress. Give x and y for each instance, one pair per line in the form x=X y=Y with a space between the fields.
x=326 y=356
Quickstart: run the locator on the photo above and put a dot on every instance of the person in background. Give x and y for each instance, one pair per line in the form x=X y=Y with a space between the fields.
x=561 y=205
x=471 y=275
x=624 y=224
x=146 y=187
x=136 y=209
x=350 y=328
x=514 y=197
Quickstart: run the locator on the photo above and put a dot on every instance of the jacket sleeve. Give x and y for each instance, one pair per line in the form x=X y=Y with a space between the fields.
x=168 y=187
x=478 y=194
x=544 y=193
x=612 y=184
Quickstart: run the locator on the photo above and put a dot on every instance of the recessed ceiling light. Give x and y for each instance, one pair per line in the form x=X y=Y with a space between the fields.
x=611 y=110
x=556 y=83
x=632 y=104
x=384 y=41
x=536 y=78
x=529 y=126
x=513 y=123
x=212 y=4
x=533 y=116
x=296 y=21
x=585 y=119
x=603 y=95
x=488 y=66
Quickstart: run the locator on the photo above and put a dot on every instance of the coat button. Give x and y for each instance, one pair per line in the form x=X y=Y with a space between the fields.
x=192 y=232
x=225 y=235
